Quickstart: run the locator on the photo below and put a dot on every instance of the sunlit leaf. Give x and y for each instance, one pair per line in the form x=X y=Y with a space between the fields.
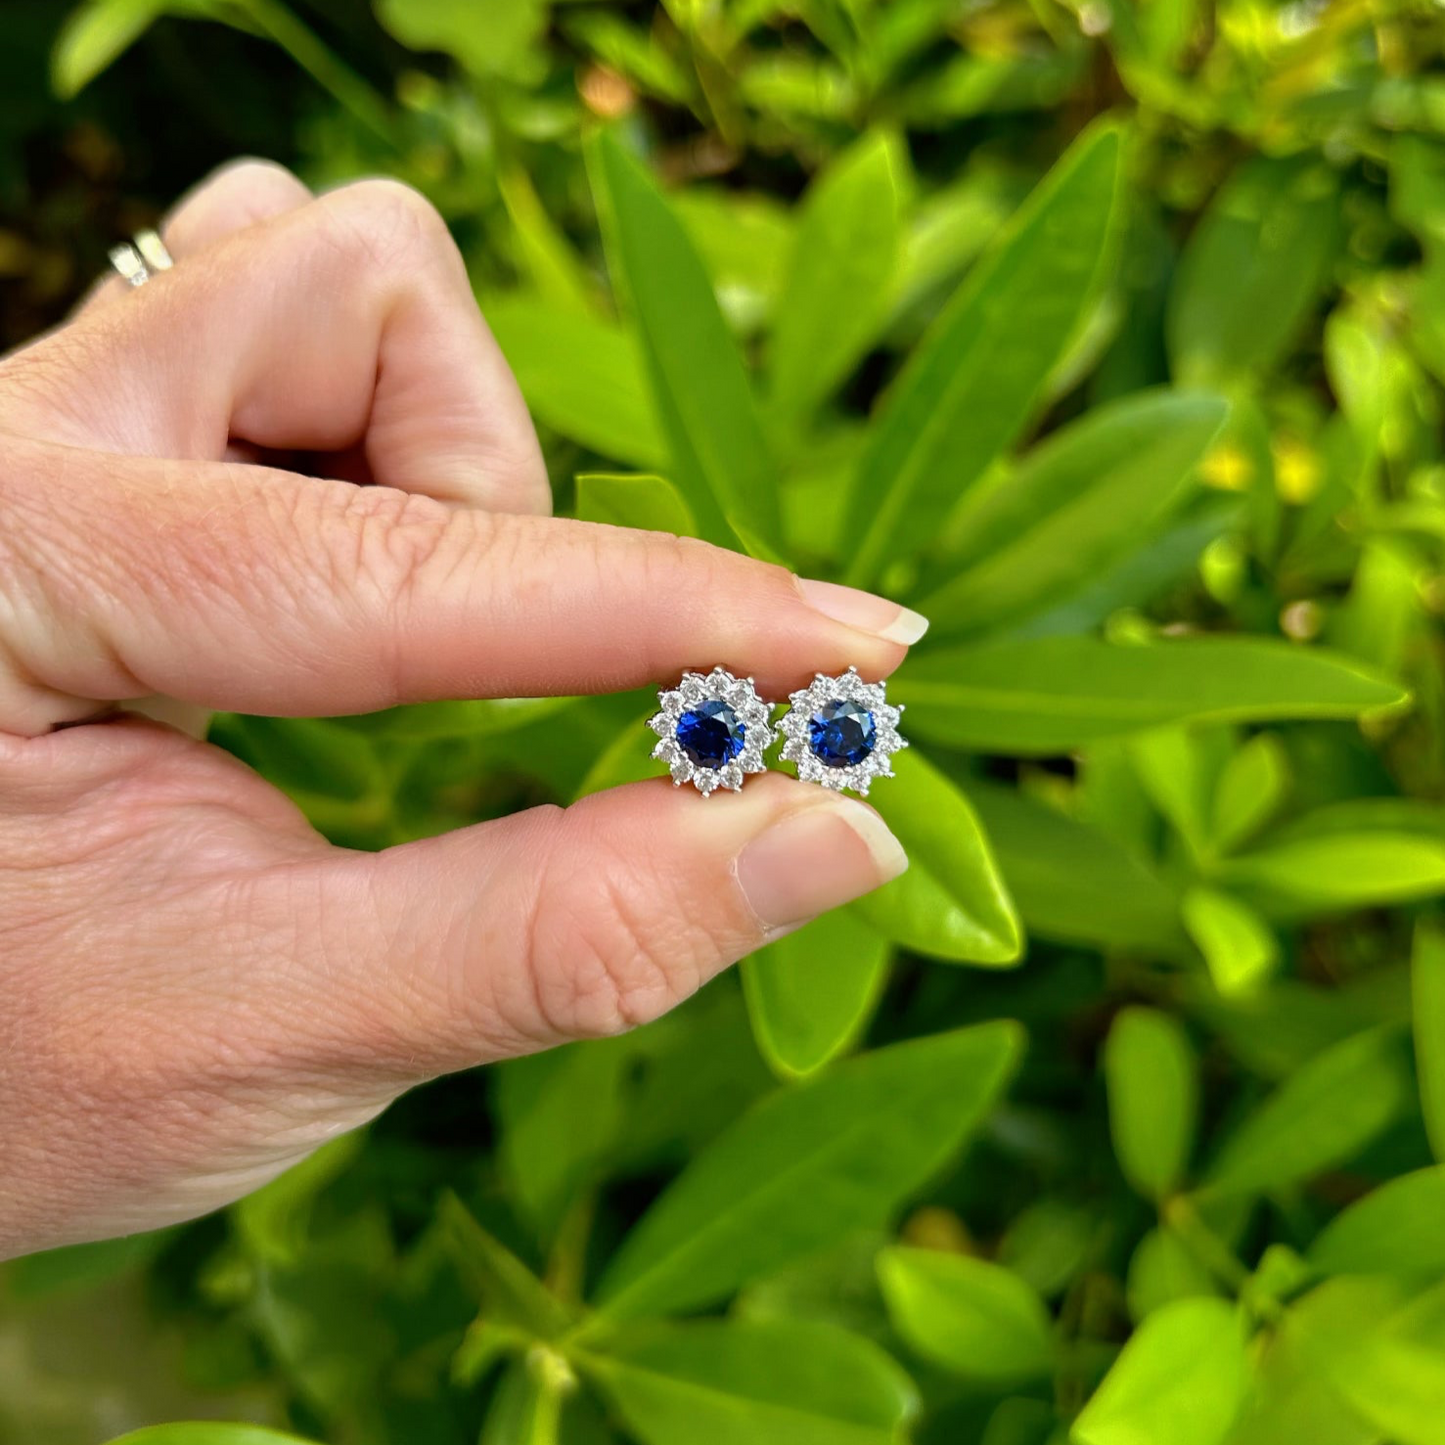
x=1075 y=505
x=1427 y=972
x=971 y=1317
x=581 y=375
x=1239 y=947
x=96 y=34
x=846 y=245
x=649 y=503
x=952 y=902
x=704 y=403
x=1055 y=693
x=1180 y=1378
x=1153 y=1083
x=973 y=382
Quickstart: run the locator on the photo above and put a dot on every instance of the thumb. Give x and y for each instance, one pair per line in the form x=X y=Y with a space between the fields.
x=561 y=924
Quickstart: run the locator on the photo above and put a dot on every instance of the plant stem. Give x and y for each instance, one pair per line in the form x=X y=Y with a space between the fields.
x=351 y=92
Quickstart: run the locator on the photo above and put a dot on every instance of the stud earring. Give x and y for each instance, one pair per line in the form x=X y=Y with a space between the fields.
x=841 y=732
x=713 y=730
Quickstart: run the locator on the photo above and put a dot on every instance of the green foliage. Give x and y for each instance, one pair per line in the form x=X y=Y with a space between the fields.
x=1153 y=1086
x=975 y=1318
x=1112 y=338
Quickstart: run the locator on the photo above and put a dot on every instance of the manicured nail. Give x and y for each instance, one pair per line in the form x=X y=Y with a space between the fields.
x=864 y=610
x=817 y=858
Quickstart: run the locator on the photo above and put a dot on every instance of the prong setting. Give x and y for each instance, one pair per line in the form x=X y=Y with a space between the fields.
x=713 y=730
x=841 y=732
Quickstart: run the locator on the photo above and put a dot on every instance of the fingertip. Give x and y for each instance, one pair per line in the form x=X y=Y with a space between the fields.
x=880 y=617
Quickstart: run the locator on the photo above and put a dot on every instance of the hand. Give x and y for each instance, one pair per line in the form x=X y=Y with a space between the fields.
x=195 y=988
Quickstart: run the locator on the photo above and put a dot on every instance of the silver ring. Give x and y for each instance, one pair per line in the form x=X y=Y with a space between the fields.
x=140 y=259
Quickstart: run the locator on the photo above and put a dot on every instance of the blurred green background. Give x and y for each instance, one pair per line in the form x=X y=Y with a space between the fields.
x=1109 y=334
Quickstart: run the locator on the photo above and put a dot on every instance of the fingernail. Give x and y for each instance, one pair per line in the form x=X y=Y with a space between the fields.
x=815 y=859
x=864 y=610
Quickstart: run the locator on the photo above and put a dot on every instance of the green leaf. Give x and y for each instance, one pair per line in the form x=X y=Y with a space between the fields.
x=967 y=1315
x=1395 y=1228
x=1295 y=1395
x=1381 y=1350
x=556 y=271
x=719 y=459
x=649 y=503
x=274 y=1223
x=1252 y=269
x=847 y=245
x=94 y=36
x=1338 y=870
x=1164 y=1269
x=1072 y=882
x=951 y=903
x=1153 y=1083
x=809 y=1165
x=488 y=40
x=511 y=1293
x=1020 y=1421
x=1048 y=1244
x=811 y=993
x=560 y=1112
x=754 y=1383
x=1176 y=768
x=1251 y=787
x=1239 y=947
x=1427 y=982
x=1055 y=693
x=208 y=1432
x=312 y=756
x=1077 y=504
x=469 y=718
x=81 y=1267
x=1320 y=1117
x=972 y=385
x=581 y=375
x=1180 y=1378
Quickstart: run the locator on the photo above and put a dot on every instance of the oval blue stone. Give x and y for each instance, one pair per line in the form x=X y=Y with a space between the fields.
x=710 y=735
x=841 y=734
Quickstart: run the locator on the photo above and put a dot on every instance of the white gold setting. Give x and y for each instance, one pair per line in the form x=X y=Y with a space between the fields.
x=797 y=723
x=695 y=690
x=138 y=260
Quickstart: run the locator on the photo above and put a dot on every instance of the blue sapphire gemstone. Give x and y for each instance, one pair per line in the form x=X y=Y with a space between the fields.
x=841 y=734
x=710 y=735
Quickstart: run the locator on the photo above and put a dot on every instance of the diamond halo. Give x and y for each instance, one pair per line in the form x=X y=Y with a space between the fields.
x=841 y=732
x=713 y=746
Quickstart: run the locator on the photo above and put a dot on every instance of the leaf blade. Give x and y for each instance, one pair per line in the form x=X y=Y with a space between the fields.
x=1181 y=1377
x=755 y=1383
x=1051 y=694
x=970 y=387
x=735 y=1212
x=810 y=993
x=1076 y=504
x=970 y=1316
x=1153 y=1087
x=704 y=403
x=952 y=903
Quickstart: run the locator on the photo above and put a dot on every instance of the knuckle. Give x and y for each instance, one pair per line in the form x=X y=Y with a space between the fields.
x=237 y=195
x=601 y=958
x=391 y=224
x=378 y=542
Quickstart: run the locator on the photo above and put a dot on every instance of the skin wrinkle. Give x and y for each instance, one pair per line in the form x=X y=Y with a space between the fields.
x=198 y=989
